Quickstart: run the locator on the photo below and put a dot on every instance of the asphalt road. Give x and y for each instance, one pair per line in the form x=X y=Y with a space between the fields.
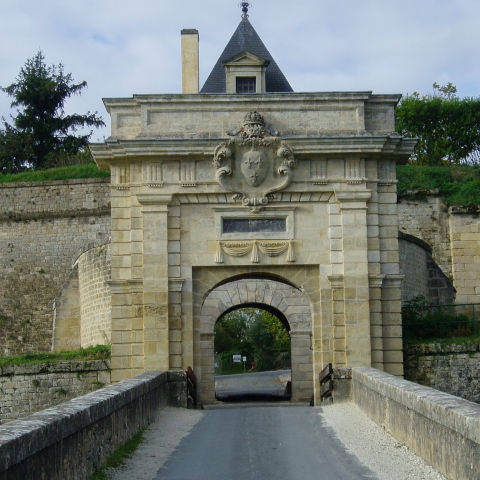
x=262 y=443
x=262 y=385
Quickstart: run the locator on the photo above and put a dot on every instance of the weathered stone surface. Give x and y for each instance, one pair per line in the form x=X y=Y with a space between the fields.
x=441 y=428
x=453 y=369
x=25 y=389
x=44 y=227
x=454 y=236
x=94 y=294
x=74 y=438
x=422 y=276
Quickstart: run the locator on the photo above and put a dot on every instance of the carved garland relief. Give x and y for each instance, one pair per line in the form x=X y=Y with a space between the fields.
x=272 y=248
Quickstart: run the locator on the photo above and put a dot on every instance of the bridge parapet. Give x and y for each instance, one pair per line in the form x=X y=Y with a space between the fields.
x=443 y=429
x=71 y=440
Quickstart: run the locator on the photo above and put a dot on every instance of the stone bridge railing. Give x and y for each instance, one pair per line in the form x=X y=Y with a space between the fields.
x=71 y=440
x=444 y=430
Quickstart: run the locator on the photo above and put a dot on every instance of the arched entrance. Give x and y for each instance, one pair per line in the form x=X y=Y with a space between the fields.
x=292 y=304
x=252 y=355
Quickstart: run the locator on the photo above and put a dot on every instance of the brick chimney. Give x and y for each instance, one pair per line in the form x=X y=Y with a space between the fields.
x=190 y=67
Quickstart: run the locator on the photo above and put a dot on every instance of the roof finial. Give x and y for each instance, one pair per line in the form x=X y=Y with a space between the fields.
x=245 y=6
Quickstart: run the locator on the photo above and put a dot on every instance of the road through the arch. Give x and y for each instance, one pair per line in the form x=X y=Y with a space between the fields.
x=262 y=443
x=274 y=442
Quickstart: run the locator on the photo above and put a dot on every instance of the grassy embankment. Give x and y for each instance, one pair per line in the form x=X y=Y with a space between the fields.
x=458 y=185
x=99 y=352
x=87 y=170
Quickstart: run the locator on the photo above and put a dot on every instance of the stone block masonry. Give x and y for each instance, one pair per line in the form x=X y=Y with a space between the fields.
x=428 y=219
x=25 y=389
x=444 y=430
x=44 y=228
x=71 y=440
x=454 y=236
x=453 y=369
x=95 y=304
x=422 y=276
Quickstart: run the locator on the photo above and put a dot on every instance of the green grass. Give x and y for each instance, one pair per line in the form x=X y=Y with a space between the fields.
x=458 y=185
x=88 y=170
x=119 y=456
x=90 y=353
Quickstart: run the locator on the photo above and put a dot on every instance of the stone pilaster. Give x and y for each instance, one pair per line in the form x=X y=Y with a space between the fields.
x=377 y=172
x=376 y=320
x=353 y=206
x=390 y=268
x=155 y=280
x=392 y=324
x=207 y=365
x=122 y=336
x=301 y=342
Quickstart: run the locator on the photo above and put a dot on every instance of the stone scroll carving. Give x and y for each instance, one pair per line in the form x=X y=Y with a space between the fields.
x=272 y=248
x=254 y=163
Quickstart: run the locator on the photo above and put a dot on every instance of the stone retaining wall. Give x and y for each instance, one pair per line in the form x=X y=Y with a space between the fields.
x=73 y=439
x=428 y=219
x=453 y=369
x=444 y=430
x=44 y=227
x=25 y=389
x=422 y=276
x=95 y=304
x=454 y=236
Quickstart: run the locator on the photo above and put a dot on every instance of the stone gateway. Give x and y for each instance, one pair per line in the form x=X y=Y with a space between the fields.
x=282 y=200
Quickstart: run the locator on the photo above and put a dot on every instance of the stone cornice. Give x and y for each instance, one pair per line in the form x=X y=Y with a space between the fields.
x=115 y=150
x=192 y=99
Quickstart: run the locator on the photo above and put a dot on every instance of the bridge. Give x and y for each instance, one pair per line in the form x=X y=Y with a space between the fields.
x=395 y=419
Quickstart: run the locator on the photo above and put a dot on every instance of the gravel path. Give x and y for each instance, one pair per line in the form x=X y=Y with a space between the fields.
x=160 y=440
x=374 y=447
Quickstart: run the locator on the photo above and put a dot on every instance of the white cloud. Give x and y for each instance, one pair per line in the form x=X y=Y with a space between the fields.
x=122 y=47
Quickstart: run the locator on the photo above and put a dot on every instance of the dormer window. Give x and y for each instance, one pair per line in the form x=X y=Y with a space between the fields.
x=245 y=73
x=246 y=84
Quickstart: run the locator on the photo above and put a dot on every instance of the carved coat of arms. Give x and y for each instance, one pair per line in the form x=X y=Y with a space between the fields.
x=254 y=163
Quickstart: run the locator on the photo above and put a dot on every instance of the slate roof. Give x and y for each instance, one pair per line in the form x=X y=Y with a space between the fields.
x=246 y=39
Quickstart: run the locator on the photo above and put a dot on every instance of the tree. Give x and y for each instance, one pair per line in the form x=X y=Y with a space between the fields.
x=41 y=132
x=252 y=332
x=448 y=127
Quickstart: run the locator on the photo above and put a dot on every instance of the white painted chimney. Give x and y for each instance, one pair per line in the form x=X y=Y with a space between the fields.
x=190 y=63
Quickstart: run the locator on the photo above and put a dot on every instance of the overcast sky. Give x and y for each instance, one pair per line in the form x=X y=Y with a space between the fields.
x=123 y=47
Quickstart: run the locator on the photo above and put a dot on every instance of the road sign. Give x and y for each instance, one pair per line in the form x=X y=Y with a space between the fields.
x=237 y=358
x=244 y=359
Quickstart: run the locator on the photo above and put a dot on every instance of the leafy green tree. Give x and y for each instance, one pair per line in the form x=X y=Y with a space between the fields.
x=42 y=135
x=257 y=334
x=448 y=127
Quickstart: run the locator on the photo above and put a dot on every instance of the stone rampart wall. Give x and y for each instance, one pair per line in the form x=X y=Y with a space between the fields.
x=25 y=389
x=465 y=235
x=453 y=369
x=44 y=227
x=428 y=219
x=95 y=303
x=454 y=236
x=73 y=439
x=441 y=428
x=421 y=275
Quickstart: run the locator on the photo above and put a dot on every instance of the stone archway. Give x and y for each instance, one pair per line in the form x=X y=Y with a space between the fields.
x=268 y=294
